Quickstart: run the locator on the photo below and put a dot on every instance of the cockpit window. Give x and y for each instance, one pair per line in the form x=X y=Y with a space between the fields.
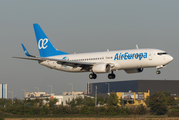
x=162 y=53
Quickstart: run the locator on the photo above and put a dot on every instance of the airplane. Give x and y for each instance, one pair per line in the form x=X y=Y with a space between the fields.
x=131 y=61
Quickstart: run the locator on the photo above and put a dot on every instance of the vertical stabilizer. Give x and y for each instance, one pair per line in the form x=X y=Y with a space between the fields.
x=46 y=49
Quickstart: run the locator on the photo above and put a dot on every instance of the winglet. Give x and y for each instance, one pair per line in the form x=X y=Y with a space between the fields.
x=26 y=52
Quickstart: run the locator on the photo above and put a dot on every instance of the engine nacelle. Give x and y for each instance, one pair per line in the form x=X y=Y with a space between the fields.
x=101 y=68
x=138 y=70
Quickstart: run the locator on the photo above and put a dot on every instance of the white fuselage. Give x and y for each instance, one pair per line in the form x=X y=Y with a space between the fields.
x=120 y=60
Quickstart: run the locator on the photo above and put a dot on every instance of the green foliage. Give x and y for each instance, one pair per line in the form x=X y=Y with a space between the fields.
x=174 y=112
x=73 y=103
x=45 y=110
x=79 y=100
x=55 y=110
x=102 y=111
x=142 y=109
x=31 y=110
x=75 y=110
x=92 y=110
x=17 y=102
x=5 y=102
x=158 y=103
x=125 y=111
x=100 y=100
x=88 y=101
x=1 y=118
x=112 y=100
x=64 y=110
x=170 y=100
x=84 y=110
x=52 y=102
x=112 y=110
x=121 y=102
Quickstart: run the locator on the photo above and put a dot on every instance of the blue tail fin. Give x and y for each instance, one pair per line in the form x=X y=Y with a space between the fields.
x=46 y=49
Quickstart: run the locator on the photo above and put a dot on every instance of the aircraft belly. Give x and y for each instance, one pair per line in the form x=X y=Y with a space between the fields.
x=127 y=64
x=54 y=65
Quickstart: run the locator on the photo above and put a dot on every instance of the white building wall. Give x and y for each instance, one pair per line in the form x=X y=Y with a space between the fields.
x=68 y=98
x=59 y=98
x=3 y=91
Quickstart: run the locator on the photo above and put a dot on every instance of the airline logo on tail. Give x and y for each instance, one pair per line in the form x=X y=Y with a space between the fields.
x=42 y=43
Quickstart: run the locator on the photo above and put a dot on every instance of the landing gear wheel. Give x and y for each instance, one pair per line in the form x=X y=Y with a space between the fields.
x=92 y=76
x=111 y=76
x=158 y=72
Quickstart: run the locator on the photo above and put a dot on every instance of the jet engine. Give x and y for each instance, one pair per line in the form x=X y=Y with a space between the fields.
x=138 y=70
x=101 y=68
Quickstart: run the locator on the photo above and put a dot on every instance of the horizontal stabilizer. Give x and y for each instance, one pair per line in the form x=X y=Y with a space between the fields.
x=26 y=52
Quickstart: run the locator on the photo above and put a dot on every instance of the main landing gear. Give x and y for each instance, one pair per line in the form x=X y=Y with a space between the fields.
x=111 y=75
x=92 y=76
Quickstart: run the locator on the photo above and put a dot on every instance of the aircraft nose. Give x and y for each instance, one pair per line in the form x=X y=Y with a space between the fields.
x=170 y=58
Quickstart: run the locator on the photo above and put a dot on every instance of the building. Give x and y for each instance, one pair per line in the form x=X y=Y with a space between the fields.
x=74 y=93
x=61 y=99
x=132 y=98
x=134 y=86
x=37 y=94
x=68 y=98
x=3 y=91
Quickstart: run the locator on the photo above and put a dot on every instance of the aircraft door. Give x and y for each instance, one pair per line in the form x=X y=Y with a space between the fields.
x=150 y=55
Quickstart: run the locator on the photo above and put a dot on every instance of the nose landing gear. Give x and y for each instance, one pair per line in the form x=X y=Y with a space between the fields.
x=111 y=75
x=158 y=71
x=159 y=67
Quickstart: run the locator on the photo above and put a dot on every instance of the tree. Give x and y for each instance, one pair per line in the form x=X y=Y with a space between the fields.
x=112 y=100
x=73 y=103
x=158 y=102
x=170 y=100
x=88 y=101
x=79 y=100
x=53 y=101
x=100 y=100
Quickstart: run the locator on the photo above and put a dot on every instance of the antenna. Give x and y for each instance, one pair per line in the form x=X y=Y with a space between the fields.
x=137 y=47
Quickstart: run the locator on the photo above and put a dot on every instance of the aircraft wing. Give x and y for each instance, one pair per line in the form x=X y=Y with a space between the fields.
x=84 y=65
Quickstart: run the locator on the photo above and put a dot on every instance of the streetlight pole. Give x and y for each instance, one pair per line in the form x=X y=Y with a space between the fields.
x=24 y=92
x=108 y=88
x=71 y=87
x=96 y=96
x=37 y=88
x=51 y=88
x=12 y=96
